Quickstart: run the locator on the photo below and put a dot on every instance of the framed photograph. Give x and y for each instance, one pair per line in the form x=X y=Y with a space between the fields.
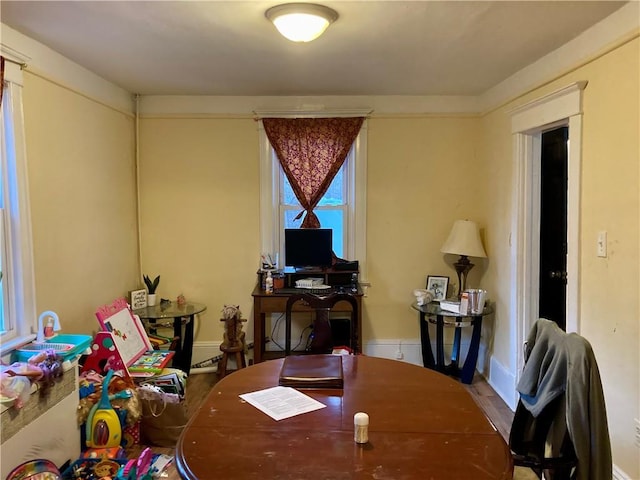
x=138 y=299
x=438 y=285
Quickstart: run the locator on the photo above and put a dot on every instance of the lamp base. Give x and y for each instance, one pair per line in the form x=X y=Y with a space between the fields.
x=462 y=266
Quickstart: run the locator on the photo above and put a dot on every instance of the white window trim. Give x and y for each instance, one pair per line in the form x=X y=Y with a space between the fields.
x=269 y=205
x=20 y=308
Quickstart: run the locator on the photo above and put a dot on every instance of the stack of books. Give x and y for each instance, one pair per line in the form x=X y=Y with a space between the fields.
x=150 y=363
x=312 y=371
x=450 y=305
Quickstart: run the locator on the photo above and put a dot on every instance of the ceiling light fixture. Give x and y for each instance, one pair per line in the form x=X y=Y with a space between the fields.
x=301 y=22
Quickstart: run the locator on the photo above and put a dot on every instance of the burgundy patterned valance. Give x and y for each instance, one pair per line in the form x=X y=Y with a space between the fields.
x=311 y=151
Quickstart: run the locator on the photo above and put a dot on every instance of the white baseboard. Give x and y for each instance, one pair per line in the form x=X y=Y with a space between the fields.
x=203 y=351
x=500 y=379
x=618 y=474
x=503 y=382
x=410 y=350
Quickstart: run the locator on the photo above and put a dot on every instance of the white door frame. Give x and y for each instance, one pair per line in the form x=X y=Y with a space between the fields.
x=560 y=108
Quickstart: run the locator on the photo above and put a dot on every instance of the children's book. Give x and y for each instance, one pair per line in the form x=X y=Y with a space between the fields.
x=169 y=381
x=151 y=362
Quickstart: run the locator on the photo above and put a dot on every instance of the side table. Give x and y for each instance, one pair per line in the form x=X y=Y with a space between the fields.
x=432 y=313
x=180 y=315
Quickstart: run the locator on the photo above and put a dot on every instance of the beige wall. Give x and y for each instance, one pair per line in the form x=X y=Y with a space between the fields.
x=610 y=201
x=200 y=227
x=83 y=208
x=199 y=195
x=423 y=173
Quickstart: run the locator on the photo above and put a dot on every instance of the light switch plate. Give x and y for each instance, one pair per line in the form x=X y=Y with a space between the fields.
x=602 y=244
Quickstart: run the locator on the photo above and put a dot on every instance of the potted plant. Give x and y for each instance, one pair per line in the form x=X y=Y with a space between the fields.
x=151 y=288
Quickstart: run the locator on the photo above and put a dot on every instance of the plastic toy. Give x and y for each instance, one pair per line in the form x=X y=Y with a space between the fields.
x=39 y=469
x=103 y=424
x=139 y=469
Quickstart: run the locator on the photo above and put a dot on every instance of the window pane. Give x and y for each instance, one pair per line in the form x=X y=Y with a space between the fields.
x=333 y=219
x=329 y=218
x=335 y=194
x=289 y=215
x=331 y=210
x=288 y=197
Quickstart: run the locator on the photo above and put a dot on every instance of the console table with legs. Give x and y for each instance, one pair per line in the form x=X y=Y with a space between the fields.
x=432 y=313
x=267 y=303
x=181 y=319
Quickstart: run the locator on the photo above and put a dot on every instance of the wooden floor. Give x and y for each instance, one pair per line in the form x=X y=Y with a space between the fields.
x=493 y=406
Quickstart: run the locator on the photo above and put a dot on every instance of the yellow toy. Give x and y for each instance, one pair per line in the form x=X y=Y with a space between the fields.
x=103 y=424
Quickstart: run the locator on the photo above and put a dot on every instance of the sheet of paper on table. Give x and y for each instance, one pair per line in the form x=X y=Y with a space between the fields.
x=282 y=402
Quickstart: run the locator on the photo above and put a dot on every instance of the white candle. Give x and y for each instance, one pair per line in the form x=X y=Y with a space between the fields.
x=361 y=427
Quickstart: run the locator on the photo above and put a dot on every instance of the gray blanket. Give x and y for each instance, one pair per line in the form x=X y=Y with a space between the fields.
x=557 y=363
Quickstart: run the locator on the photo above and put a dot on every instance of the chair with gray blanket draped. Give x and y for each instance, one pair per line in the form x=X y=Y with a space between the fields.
x=560 y=427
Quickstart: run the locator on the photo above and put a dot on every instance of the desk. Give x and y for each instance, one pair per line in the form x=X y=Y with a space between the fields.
x=276 y=302
x=180 y=315
x=422 y=425
x=432 y=310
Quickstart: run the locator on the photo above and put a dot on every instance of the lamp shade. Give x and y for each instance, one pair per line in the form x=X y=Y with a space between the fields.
x=301 y=22
x=464 y=239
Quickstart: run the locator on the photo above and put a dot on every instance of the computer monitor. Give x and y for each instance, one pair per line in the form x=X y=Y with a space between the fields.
x=308 y=247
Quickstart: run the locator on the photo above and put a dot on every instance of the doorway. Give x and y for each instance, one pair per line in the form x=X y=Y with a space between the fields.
x=552 y=302
x=556 y=110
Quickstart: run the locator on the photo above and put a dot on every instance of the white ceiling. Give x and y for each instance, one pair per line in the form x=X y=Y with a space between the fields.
x=374 y=48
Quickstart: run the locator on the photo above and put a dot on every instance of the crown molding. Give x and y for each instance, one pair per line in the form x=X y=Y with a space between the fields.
x=617 y=29
x=315 y=111
x=205 y=105
x=14 y=55
x=44 y=62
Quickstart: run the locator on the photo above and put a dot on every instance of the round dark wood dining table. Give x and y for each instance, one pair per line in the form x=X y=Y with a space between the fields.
x=423 y=425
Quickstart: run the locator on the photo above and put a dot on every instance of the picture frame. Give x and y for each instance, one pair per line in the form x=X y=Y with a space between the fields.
x=438 y=284
x=138 y=299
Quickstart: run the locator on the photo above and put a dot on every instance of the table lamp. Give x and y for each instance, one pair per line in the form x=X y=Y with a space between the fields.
x=464 y=240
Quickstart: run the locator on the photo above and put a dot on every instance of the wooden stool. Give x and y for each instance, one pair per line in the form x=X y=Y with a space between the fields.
x=233 y=339
x=238 y=350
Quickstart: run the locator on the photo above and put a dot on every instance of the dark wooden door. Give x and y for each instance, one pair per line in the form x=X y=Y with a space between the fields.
x=553 y=226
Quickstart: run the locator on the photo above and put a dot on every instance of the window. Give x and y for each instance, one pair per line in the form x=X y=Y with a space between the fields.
x=332 y=210
x=343 y=207
x=17 y=309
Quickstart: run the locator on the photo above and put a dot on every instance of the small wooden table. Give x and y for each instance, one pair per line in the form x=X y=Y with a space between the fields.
x=433 y=313
x=152 y=318
x=422 y=425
